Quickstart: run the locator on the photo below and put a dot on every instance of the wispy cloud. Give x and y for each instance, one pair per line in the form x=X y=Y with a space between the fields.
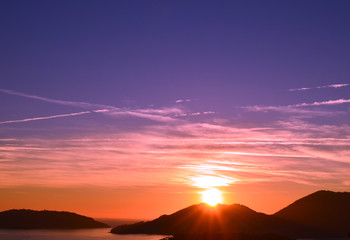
x=291 y=109
x=155 y=114
x=340 y=85
x=47 y=117
x=61 y=102
x=195 y=113
x=298 y=89
x=299 y=108
x=300 y=152
x=335 y=85
x=183 y=100
x=329 y=102
x=177 y=154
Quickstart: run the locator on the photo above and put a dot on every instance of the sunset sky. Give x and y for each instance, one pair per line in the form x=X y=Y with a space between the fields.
x=131 y=108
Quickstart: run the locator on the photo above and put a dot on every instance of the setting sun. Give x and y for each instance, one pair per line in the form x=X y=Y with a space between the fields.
x=212 y=196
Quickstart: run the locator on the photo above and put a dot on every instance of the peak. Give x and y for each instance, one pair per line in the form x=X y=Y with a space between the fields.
x=219 y=207
x=323 y=192
x=322 y=209
x=328 y=192
x=326 y=195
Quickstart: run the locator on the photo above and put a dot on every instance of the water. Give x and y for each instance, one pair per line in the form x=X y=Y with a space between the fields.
x=80 y=234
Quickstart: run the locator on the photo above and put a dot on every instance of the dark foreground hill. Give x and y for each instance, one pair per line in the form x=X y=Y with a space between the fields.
x=223 y=220
x=323 y=209
x=30 y=219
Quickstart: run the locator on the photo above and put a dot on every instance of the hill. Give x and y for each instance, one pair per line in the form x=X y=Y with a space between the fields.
x=323 y=209
x=30 y=219
x=224 y=220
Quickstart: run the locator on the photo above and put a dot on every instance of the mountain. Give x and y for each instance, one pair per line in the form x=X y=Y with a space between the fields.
x=30 y=219
x=223 y=219
x=323 y=209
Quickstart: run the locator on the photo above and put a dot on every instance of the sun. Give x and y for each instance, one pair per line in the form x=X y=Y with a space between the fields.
x=212 y=196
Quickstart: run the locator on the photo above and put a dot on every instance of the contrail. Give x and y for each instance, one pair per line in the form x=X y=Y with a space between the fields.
x=61 y=102
x=160 y=115
x=48 y=117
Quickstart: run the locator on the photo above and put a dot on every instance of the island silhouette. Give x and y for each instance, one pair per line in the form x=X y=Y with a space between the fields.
x=321 y=214
x=323 y=209
x=30 y=219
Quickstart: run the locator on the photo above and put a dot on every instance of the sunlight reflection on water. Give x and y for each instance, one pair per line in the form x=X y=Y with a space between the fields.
x=80 y=234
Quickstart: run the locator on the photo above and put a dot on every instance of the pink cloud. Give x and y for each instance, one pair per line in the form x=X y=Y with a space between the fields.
x=325 y=86
x=288 y=152
x=183 y=100
x=335 y=85
x=329 y=102
x=299 y=89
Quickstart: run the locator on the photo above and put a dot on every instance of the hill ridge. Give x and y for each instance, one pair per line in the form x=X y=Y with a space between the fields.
x=222 y=219
x=322 y=209
x=46 y=219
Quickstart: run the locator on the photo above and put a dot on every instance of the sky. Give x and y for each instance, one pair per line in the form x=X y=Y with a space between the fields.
x=132 y=108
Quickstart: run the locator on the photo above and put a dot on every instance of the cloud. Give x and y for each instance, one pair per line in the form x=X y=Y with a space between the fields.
x=178 y=153
x=61 y=102
x=325 y=86
x=291 y=109
x=329 y=102
x=266 y=154
x=155 y=114
x=298 y=89
x=43 y=118
x=162 y=155
x=335 y=85
x=195 y=113
x=208 y=112
x=207 y=181
x=140 y=114
x=183 y=100
x=299 y=108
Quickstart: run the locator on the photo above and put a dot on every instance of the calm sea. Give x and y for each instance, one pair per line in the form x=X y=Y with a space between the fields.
x=81 y=234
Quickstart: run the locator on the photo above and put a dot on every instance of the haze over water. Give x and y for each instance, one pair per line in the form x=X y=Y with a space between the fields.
x=81 y=234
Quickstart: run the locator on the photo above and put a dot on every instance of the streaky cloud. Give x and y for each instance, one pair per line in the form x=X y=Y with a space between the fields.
x=329 y=102
x=156 y=114
x=335 y=85
x=267 y=154
x=298 y=89
x=182 y=100
x=61 y=102
x=340 y=85
x=43 y=118
x=291 y=151
x=298 y=108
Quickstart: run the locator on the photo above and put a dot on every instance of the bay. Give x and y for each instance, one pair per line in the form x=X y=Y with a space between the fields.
x=78 y=234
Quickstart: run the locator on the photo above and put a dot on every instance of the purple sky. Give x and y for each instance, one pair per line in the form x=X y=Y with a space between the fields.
x=251 y=92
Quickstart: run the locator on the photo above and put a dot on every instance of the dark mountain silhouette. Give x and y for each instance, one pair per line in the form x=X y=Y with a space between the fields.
x=30 y=219
x=323 y=209
x=223 y=220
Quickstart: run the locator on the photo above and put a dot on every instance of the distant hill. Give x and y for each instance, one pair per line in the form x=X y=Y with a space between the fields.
x=30 y=219
x=323 y=209
x=224 y=220
x=117 y=221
